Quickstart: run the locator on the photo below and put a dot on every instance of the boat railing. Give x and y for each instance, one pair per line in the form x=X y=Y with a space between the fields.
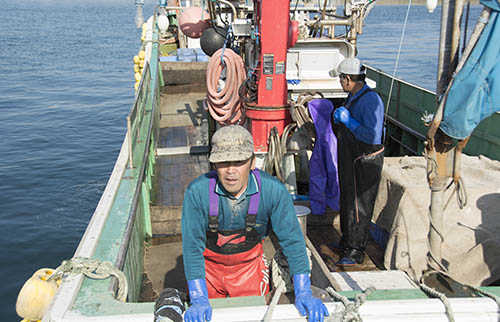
x=136 y=116
x=142 y=126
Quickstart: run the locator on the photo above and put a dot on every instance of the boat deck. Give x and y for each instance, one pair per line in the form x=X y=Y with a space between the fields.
x=182 y=155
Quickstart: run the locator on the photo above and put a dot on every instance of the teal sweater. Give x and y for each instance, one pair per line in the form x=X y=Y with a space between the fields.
x=276 y=212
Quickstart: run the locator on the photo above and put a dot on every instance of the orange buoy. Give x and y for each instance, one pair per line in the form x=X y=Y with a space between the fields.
x=192 y=23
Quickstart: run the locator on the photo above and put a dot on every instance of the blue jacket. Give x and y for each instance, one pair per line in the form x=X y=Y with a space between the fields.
x=367 y=108
x=275 y=212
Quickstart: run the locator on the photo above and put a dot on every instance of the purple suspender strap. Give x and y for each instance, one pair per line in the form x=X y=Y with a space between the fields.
x=213 y=224
x=254 y=199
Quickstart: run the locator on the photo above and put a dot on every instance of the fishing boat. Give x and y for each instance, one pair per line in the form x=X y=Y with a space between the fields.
x=131 y=250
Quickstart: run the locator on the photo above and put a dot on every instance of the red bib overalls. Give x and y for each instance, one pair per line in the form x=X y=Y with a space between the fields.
x=235 y=264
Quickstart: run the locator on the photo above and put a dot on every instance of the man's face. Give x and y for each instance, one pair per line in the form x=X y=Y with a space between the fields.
x=234 y=175
x=346 y=82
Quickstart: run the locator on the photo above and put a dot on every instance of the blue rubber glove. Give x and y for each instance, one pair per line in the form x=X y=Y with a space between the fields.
x=342 y=115
x=200 y=309
x=304 y=301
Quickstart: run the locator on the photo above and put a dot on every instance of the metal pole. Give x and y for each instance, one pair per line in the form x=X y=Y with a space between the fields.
x=436 y=224
x=455 y=39
x=438 y=182
x=443 y=75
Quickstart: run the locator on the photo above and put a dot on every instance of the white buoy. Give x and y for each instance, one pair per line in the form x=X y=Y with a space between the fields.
x=162 y=23
x=431 y=5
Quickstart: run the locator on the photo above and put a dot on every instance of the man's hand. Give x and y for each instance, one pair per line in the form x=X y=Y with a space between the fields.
x=304 y=301
x=342 y=115
x=200 y=310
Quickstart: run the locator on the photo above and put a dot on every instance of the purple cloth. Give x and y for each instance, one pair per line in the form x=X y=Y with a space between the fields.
x=323 y=178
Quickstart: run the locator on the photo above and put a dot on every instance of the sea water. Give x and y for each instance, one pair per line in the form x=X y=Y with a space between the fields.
x=66 y=86
x=387 y=33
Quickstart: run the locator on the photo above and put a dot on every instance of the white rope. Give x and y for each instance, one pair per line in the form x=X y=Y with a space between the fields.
x=350 y=310
x=397 y=57
x=93 y=268
x=281 y=270
x=442 y=297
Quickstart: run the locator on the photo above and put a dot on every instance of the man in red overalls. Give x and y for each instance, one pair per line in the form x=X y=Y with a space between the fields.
x=226 y=215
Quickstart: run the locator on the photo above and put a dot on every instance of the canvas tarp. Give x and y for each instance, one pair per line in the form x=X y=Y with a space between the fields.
x=471 y=250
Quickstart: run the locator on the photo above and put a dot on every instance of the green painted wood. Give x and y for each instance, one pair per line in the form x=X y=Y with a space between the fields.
x=145 y=206
x=495 y=290
x=399 y=294
x=162 y=81
x=134 y=261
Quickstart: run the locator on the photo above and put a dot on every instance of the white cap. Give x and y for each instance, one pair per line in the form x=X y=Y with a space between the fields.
x=349 y=66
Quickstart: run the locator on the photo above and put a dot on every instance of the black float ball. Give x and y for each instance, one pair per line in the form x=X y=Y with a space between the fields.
x=212 y=39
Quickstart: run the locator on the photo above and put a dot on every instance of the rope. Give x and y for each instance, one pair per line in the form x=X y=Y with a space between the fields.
x=461 y=193
x=300 y=112
x=349 y=311
x=281 y=270
x=442 y=297
x=277 y=146
x=93 y=268
x=224 y=104
x=487 y=294
x=397 y=57
x=274 y=156
x=474 y=288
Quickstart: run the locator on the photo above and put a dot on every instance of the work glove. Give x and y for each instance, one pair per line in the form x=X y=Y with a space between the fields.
x=342 y=115
x=200 y=310
x=305 y=302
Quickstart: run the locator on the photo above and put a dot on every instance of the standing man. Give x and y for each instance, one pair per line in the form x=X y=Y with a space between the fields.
x=360 y=158
x=225 y=216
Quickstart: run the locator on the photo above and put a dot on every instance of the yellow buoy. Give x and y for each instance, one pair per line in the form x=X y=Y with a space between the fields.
x=136 y=68
x=142 y=54
x=137 y=77
x=136 y=59
x=36 y=295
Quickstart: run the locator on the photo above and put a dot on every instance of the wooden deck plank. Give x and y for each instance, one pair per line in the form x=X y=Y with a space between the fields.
x=173 y=175
x=182 y=109
x=176 y=136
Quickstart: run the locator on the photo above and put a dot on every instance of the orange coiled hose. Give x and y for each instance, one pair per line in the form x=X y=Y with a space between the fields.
x=224 y=104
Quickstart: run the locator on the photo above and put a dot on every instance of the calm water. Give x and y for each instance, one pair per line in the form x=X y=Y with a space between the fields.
x=379 y=43
x=66 y=85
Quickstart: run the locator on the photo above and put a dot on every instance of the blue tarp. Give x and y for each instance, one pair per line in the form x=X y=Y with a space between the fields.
x=475 y=93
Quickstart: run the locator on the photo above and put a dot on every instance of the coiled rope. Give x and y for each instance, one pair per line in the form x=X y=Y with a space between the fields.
x=350 y=310
x=93 y=268
x=223 y=100
x=300 y=113
x=277 y=146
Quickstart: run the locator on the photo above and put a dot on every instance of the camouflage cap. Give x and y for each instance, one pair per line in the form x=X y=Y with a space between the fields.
x=231 y=143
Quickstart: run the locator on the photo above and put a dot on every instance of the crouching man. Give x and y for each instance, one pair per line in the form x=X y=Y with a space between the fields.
x=226 y=215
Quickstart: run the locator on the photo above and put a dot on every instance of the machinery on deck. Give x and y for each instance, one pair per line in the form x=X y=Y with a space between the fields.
x=266 y=53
